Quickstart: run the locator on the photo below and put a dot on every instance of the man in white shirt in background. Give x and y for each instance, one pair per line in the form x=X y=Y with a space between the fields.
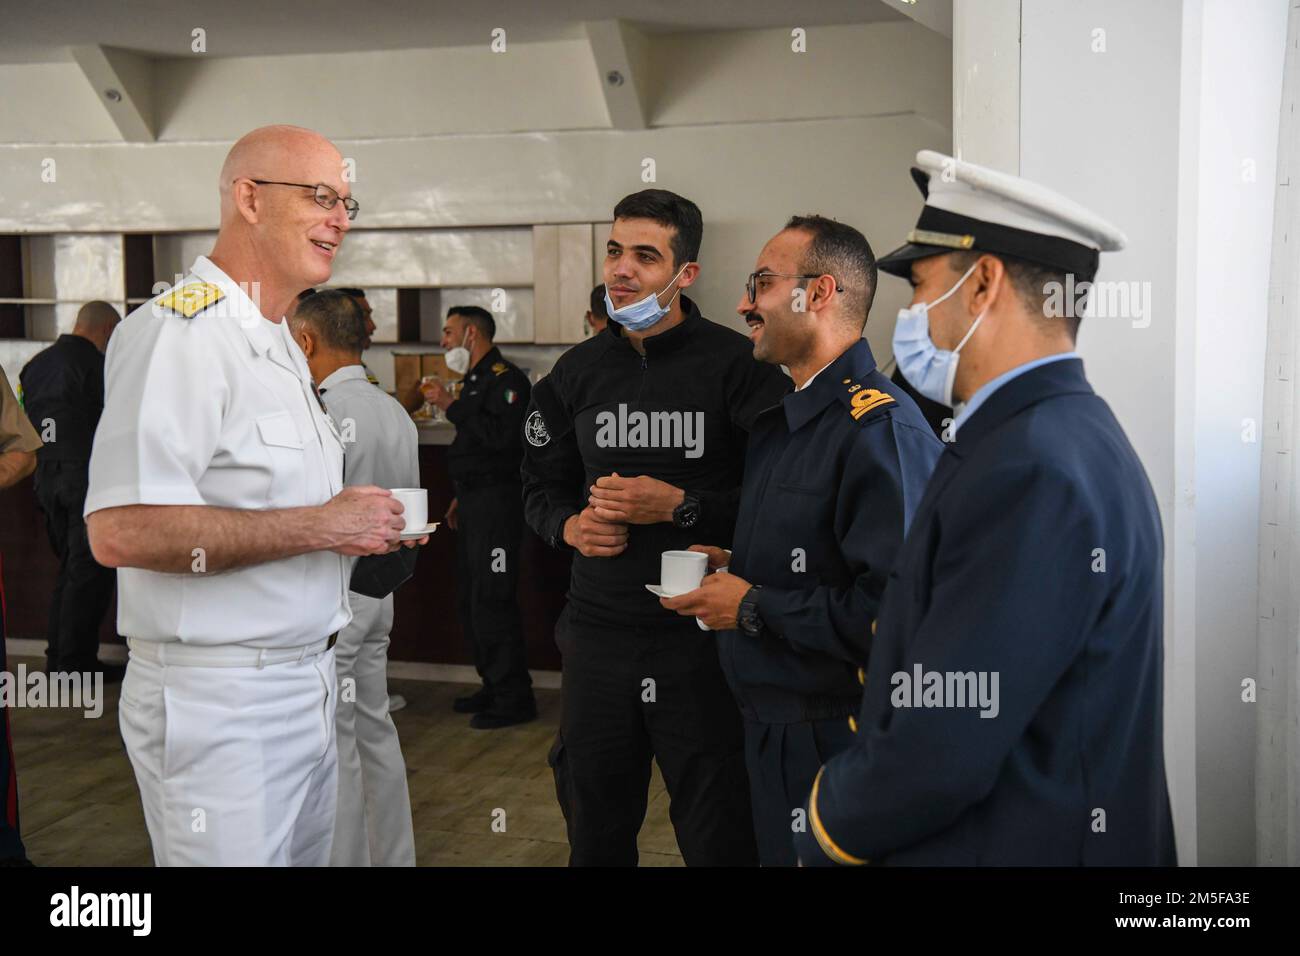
x=381 y=447
x=216 y=489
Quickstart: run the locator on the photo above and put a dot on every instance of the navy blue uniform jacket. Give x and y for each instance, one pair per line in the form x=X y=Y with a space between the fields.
x=1035 y=555
x=832 y=476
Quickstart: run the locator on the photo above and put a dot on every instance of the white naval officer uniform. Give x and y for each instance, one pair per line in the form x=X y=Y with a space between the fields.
x=373 y=825
x=227 y=708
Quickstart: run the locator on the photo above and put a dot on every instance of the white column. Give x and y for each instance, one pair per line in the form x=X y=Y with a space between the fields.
x=986 y=83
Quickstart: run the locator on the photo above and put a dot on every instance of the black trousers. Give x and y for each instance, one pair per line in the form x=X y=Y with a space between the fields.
x=634 y=695
x=84 y=587
x=783 y=760
x=490 y=529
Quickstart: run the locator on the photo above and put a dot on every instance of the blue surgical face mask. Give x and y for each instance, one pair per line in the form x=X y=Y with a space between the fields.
x=929 y=369
x=641 y=315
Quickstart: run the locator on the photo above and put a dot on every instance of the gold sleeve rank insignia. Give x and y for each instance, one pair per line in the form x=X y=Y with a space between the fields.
x=867 y=399
x=190 y=299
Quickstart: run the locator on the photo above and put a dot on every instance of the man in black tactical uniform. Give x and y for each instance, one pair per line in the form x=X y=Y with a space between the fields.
x=63 y=394
x=635 y=445
x=487 y=514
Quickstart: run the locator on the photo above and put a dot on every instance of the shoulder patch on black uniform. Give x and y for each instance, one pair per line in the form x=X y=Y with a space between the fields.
x=535 y=430
x=866 y=400
x=500 y=367
x=190 y=299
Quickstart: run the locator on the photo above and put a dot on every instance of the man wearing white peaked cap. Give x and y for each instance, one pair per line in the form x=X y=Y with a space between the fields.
x=1012 y=708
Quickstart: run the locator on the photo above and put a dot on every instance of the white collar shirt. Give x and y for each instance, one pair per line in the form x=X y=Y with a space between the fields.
x=218 y=409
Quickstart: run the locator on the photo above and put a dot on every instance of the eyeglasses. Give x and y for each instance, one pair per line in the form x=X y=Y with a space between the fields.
x=326 y=196
x=751 y=285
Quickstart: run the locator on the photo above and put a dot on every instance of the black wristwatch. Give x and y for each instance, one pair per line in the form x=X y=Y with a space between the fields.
x=747 y=616
x=687 y=514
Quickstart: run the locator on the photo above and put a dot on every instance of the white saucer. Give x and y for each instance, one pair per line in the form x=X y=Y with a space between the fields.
x=420 y=532
x=659 y=592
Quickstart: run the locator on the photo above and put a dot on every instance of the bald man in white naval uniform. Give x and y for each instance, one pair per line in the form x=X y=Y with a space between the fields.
x=216 y=491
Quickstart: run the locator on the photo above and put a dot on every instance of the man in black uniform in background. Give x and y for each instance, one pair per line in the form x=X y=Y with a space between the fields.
x=63 y=394
x=832 y=477
x=487 y=514
x=634 y=446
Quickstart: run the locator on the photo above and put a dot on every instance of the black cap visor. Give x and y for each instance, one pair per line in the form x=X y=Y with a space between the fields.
x=899 y=262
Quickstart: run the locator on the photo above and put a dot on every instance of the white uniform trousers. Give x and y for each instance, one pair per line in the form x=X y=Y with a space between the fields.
x=373 y=826
x=236 y=766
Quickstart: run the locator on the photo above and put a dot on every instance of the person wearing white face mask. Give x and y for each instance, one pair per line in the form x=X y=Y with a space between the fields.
x=1032 y=566
x=635 y=445
x=487 y=514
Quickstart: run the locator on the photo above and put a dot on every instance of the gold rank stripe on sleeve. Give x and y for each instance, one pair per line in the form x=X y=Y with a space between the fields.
x=829 y=846
x=867 y=399
x=190 y=299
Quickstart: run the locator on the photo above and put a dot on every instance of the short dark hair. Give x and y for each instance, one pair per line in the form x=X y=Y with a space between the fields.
x=671 y=210
x=1029 y=279
x=334 y=316
x=355 y=293
x=304 y=293
x=597 y=304
x=478 y=317
x=839 y=250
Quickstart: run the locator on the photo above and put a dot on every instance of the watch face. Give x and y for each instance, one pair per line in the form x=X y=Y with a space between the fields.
x=687 y=516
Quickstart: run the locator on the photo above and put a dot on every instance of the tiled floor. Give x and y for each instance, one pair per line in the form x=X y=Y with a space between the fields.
x=80 y=806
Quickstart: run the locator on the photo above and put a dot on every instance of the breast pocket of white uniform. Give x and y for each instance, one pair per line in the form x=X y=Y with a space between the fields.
x=285 y=459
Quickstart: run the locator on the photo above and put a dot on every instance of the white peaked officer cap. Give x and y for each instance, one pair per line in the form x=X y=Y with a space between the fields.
x=974 y=208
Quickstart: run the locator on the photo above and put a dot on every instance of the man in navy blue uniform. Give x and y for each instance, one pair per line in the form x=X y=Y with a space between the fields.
x=1012 y=712
x=833 y=473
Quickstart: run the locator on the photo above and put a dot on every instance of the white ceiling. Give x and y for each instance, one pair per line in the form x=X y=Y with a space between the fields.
x=42 y=31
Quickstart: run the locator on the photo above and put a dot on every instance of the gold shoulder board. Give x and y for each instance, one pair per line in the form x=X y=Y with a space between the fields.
x=191 y=299
x=867 y=399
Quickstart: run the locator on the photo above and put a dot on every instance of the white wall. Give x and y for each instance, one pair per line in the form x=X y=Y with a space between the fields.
x=1240 y=94
x=748 y=157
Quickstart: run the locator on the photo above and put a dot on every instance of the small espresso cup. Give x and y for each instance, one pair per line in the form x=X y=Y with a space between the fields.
x=682 y=571
x=415 y=505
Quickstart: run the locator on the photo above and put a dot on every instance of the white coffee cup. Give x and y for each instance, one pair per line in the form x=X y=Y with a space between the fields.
x=682 y=571
x=415 y=505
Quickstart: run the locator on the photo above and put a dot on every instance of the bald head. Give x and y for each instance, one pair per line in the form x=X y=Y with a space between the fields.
x=273 y=152
x=96 y=321
x=274 y=231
